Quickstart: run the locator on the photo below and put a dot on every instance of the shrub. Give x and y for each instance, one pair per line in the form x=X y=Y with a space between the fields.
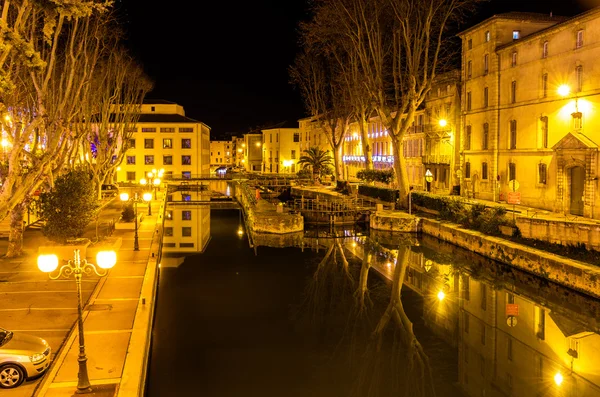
x=69 y=207
x=128 y=213
x=383 y=176
x=384 y=194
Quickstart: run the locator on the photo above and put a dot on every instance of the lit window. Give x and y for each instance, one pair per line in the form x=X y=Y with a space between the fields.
x=516 y=34
x=487 y=36
x=167 y=143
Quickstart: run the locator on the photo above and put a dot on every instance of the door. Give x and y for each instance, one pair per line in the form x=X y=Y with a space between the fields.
x=577 y=185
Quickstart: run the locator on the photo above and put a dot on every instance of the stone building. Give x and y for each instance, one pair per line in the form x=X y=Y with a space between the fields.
x=529 y=102
x=221 y=154
x=281 y=150
x=164 y=138
x=252 y=152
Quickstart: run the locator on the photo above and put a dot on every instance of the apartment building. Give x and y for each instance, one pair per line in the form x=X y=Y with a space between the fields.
x=164 y=138
x=530 y=110
x=238 y=151
x=252 y=152
x=281 y=150
x=221 y=154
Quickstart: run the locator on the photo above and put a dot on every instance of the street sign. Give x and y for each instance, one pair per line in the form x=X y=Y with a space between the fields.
x=512 y=309
x=511 y=321
x=513 y=184
x=513 y=198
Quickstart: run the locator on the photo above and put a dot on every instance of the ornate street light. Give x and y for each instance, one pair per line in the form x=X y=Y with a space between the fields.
x=135 y=199
x=78 y=267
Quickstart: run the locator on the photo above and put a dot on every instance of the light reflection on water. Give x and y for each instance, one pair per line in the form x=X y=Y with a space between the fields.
x=417 y=317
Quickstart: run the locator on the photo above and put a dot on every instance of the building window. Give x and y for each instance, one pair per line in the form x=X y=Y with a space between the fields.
x=186 y=215
x=293 y=157
x=486 y=64
x=486 y=136
x=167 y=143
x=516 y=34
x=149 y=160
x=485 y=97
x=296 y=137
x=579 y=42
x=469 y=69
x=545 y=50
x=513 y=92
x=579 y=74
x=148 y=143
x=186 y=245
x=542 y=172
x=186 y=175
x=544 y=85
x=168 y=231
x=186 y=160
x=470 y=44
x=167 y=160
x=132 y=129
x=483 y=296
x=169 y=215
x=512 y=171
x=513 y=59
x=186 y=197
x=186 y=129
x=484 y=170
x=167 y=129
x=468 y=138
x=130 y=159
x=469 y=100
x=544 y=131
x=186 y=231
x=467 y=170
x=186 y=143
x=513 y=134
x=131 y=175
x=131 y=143
x=487 y=36
x=148 y=129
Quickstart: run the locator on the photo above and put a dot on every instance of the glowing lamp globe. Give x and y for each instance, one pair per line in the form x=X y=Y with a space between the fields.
x=47 y=263
x=147 y=196
x=441 y=295
x=143 y=181
x=124 y=196
x=564 y=90
x=558 y=379
x=443 y=123
x=156 y=181
x=106 y=259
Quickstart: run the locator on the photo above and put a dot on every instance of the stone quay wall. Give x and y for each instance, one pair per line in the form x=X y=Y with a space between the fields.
x=564 y=233
x=570 y=273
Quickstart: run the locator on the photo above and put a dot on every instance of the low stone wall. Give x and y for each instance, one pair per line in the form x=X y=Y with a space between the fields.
x=394 y=221
x=564 y=233
x=573 y=274
x=308 y=193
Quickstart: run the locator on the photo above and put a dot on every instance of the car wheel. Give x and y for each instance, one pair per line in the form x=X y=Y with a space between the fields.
x=11 y=375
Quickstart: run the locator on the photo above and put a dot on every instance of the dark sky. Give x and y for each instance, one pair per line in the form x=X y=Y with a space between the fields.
x=227 y=62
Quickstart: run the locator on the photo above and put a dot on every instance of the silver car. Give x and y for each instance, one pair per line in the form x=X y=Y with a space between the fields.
x=22 y=356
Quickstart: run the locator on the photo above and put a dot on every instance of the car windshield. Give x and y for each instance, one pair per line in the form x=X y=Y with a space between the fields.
x=5 y=336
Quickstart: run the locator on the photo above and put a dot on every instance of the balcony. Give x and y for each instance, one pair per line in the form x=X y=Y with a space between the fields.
x=436 y=159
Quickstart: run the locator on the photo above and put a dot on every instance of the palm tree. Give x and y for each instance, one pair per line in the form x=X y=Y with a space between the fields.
x=315 y=159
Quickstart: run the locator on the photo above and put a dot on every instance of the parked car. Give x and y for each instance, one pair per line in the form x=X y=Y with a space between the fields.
x=109 y=190
x=22 y=356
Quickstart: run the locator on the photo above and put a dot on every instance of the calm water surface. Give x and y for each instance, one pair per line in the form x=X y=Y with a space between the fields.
x=357 y=315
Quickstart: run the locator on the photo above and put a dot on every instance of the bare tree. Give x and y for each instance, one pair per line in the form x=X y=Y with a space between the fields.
x=325 y=97
x=118 y=89
x=46 y=60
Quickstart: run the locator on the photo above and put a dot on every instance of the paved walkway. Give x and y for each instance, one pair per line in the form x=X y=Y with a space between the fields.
x=116 y=313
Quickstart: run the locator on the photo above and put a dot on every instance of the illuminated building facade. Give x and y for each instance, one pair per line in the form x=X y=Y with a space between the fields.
x=164 y=138
x=221 y=154
x=252 y=152
x=281 y=150
x=530 y=101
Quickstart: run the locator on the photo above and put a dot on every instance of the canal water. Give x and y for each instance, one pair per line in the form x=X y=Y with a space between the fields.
x=353 y=313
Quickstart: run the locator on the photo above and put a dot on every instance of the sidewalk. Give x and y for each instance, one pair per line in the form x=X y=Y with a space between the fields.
x=116 y=312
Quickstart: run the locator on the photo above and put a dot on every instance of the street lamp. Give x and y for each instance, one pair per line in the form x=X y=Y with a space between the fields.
x=135 y=199
x=428 y=179
x=78 y=267
x=154 y=177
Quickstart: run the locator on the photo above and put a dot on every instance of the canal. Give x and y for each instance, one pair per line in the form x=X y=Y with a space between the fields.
x=353 y=313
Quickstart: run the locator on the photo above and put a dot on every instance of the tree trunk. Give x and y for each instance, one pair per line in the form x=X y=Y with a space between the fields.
x=15 y=238
x=367 y=149
x=338 y=163
x=400 y=170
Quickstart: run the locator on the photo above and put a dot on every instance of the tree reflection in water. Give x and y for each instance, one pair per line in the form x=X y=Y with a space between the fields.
x=378 y=343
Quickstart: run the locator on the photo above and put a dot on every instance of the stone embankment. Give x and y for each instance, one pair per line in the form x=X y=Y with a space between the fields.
x=576 y=275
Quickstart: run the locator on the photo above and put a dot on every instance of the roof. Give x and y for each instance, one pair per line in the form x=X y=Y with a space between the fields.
x=518 y=16
x=575 y=141
x=165 y=118
x=157 y=102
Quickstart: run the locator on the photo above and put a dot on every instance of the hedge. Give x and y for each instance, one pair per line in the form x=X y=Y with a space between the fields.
x=381 y=193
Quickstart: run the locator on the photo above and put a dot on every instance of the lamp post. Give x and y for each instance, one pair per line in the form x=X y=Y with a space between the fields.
x=428 y=179
x=78 y=267
x=135 y=199
x=154 y=177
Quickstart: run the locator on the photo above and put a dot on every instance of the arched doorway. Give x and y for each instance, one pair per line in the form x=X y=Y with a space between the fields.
x=577 y=175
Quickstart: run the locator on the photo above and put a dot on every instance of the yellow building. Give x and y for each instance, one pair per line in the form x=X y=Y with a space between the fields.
x=221 y=154
x=281 y=150
x=186 y=227
x=252 y=152
x=165 y=138
x=238 y=151
x=530 y=109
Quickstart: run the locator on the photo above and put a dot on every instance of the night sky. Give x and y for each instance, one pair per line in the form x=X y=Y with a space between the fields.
x=227 y=62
